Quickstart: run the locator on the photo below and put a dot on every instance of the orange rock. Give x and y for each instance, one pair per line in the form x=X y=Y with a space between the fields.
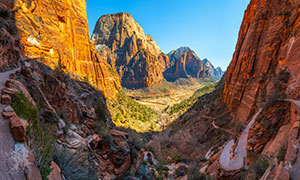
x=269 y=33
x=55 y=173
x=138 y=60
x=18 y=128
x=6 y=99
x=8 y=114
x=56 y=33
x=32 y=173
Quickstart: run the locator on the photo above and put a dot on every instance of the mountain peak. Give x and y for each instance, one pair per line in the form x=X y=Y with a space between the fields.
x=114 y=30
x=120 y=14
x=206 y=61
x=182 y=49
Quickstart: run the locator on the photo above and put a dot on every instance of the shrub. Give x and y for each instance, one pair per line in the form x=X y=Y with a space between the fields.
x=195 y=174
x=39 y=135
x=160 y=167
x=238 y=128
x=181 y=171
x=103 y=131
x=100 y=112
x=4 y=13
x=284 y=76
x=263 y=93
x=12 y=27
x=258 y=167
x=281 y=153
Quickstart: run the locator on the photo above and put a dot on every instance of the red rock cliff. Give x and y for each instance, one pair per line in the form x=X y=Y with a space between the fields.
x=269 y=41
x=56 y=33
x=138 y=58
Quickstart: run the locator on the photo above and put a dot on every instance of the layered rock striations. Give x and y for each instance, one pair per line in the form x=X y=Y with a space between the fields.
x=138 y=60
x=268 y=43
x=56 y=33
x=184 y=63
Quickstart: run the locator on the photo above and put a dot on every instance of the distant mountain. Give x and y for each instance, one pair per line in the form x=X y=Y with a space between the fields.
x=139 y=61
x=184 y=63
x=121 y=42
x=216 y=73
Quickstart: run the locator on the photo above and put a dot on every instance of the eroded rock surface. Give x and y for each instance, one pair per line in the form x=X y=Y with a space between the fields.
x=56 y=33
x=268 y=42
x=138 y=58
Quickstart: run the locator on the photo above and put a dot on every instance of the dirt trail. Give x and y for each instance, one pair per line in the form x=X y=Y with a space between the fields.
x=240 y=153
x=10 y=153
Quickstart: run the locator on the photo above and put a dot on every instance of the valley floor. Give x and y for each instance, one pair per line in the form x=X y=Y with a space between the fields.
x=154 y=108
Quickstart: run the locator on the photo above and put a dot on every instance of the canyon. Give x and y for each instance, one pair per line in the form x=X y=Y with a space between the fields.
x=79 y=108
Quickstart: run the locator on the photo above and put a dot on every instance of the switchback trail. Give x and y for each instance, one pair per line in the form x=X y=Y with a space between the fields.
x=239 y=159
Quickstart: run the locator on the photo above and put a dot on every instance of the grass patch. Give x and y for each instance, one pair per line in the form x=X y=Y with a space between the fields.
x=257 y=168
x=281 y=153
x=38 y=133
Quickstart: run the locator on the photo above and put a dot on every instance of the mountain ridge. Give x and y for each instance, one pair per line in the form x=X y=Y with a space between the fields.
x=136 y=56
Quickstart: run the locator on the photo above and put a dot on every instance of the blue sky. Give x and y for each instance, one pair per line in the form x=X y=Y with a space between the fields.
x=209 y=27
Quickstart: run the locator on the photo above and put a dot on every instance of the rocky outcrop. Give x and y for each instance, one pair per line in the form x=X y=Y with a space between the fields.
x=216 y=73
x=85 y=139
x=138 y=59
x=18 y=128
x=56 y=33
x=269 y=42
x=10 y=48
x=184 y=63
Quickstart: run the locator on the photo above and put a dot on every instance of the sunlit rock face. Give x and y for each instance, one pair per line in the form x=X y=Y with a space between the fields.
x=268 y=42
x=138 y=59
x=56 y=33
x=184 y=63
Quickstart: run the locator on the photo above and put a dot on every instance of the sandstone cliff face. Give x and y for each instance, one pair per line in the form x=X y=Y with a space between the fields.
x=139 y=60
x=184 y=63
x=56 y=33
x=10 y=47
x=269 y=42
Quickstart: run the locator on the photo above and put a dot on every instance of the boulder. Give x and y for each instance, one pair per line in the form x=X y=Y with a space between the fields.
x=18 y=128
x=55 y=173
x=9 y=91
x=32 y=173
x=8 y=114
x=6 y=99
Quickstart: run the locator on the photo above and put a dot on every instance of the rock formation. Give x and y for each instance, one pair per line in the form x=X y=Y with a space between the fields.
x=77 y=122
x=56 y=33
x=138 y=60
x=268 y=43
x=216 y=73
x=184 y=63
